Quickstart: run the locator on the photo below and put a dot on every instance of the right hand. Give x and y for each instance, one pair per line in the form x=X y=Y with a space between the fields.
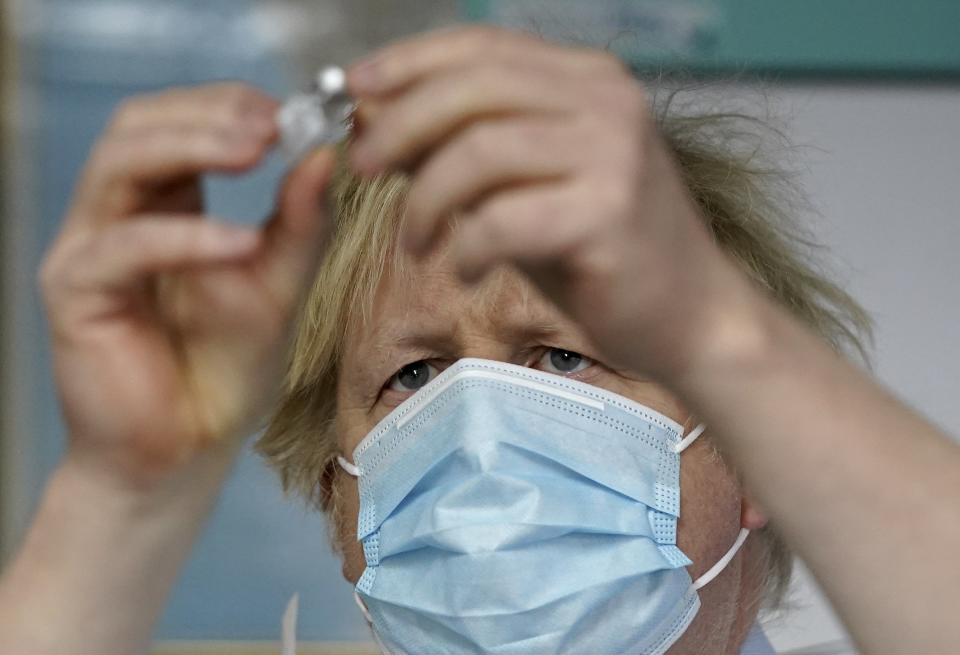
x=170 y=330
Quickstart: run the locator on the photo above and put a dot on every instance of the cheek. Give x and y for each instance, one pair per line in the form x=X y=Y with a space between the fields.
x=710 y=507
x=345 y=518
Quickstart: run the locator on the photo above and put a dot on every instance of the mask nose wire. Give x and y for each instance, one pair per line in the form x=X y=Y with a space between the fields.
x=684 y=443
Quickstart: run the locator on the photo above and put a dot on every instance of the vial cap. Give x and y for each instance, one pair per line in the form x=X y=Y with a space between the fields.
x=331 y=80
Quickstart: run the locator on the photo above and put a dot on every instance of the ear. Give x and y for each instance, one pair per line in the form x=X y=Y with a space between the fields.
x=752 y=516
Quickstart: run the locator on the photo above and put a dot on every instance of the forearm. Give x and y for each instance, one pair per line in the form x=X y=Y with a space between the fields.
x=98 y=563
x=866 y=491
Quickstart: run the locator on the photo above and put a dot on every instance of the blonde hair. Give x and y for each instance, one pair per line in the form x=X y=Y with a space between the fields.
x=748 y=202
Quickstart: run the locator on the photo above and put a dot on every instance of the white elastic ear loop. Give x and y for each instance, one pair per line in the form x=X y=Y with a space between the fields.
x=348 y=467
x=366 y=614
x=718 y=568
x=363 y=607
x=690 y=438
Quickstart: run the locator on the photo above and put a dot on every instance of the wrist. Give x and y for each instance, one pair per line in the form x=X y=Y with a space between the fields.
x=108 y=483
x=103 y=553
x=731 y=331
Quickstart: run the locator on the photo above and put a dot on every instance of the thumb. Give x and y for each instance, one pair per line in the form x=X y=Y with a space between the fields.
x=296 y=235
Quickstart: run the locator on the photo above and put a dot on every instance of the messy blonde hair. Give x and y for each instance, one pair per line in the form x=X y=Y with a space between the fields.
x=746 y=199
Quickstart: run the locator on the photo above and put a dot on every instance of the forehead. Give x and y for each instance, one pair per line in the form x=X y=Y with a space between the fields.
x=426 y=296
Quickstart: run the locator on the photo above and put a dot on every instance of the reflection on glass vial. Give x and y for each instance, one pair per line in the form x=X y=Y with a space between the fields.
x=321 y=117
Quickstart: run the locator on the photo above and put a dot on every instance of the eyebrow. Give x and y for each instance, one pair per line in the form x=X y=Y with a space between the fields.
x=422 y=340
x=534 y=331
x=444 y=339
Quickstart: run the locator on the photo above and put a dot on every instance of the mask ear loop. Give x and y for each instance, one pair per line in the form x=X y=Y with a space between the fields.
x=722 y=563
x=366 y=614
x=363 y=607
x=351 y=469
x=718 y=568
x=690 y=438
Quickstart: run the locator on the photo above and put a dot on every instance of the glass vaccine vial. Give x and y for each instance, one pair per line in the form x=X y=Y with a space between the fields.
x=317 y=118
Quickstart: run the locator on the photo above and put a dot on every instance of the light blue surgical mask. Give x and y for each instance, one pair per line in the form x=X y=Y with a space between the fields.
x=505 y=510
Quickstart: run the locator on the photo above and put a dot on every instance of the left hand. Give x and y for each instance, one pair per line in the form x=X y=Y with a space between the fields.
x=551 y=158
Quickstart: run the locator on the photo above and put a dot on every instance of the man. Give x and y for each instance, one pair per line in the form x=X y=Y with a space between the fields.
x=170 y=335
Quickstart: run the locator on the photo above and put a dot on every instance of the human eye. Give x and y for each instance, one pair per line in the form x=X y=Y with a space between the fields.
x=563 y=362
x=412 y=377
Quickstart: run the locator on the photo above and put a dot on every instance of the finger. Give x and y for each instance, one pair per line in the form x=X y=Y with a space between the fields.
x=226 y=106
x=118 y=257
x=429 y=112
x=406 y=62
x=124 y=169
x=525 y=227
x=486 y=157
x=296 y=235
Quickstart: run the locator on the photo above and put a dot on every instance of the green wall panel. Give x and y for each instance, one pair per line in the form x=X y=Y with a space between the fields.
x=806 y=37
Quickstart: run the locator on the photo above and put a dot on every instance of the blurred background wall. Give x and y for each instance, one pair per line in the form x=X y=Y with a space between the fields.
x=873 y=103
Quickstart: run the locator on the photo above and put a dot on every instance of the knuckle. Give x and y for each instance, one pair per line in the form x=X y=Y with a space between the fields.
x=48 y=273
x=108 y=158
x=103 y=152
x=387 y=136
x=114 y=160
x=479 y=35
x=127 y=112
x=418 y=197
x=237 y=99
x=118 y=238
x=627 y=101
x=617 y=193
x=529 y=136
x=197 y=144
x=132 y=237
x=608 y=62
x=235 y=91
x=636 y=99
x=58 y=263
x=489 y=77
x=489 y=39
x=628 y=95
x=198 y=237
x=493 y=222
x=476 y=144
